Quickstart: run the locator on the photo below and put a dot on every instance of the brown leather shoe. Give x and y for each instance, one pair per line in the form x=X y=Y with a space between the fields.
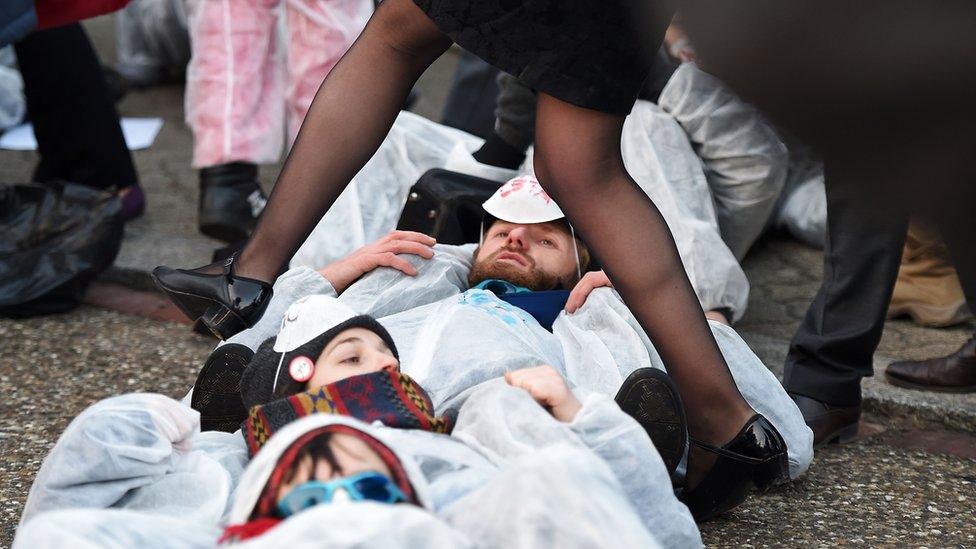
x=954 y=373
x=829 y=423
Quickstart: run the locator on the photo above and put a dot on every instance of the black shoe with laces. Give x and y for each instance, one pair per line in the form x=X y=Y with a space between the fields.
x=231 y=200
x=649 y=396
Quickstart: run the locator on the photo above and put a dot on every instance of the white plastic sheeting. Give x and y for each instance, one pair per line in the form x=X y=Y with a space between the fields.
x=655 y=150
x=504 y=423
x=659 y=157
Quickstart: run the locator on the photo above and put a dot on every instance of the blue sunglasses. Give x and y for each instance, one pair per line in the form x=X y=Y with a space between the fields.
x=365 y=486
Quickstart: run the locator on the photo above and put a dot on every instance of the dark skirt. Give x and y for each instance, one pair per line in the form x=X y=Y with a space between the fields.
x=591 y=53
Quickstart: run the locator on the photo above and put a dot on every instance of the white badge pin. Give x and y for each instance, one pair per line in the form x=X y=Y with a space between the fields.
x=301 y=369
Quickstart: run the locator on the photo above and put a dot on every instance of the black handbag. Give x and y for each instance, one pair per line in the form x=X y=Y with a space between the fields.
x=447 y=206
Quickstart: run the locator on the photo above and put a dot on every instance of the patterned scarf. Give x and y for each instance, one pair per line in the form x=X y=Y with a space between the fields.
x=388 y=396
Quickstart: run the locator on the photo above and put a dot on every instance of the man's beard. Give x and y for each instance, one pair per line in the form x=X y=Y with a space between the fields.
x=532 y=278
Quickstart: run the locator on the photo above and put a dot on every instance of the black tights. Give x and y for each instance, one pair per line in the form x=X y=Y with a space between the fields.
x=577 y=160
x=349 y=118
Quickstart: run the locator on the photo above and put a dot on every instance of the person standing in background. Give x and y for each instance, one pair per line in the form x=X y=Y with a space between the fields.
x=79 y=137
x=240 y=89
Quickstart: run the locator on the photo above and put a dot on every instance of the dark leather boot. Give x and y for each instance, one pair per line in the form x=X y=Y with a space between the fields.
x=231 y=200
x=954 y=373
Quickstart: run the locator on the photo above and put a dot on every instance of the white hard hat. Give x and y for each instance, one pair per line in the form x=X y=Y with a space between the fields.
x=522 y=200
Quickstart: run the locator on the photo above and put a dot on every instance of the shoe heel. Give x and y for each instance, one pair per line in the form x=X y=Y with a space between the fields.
x=775 y=470
x=222 y=321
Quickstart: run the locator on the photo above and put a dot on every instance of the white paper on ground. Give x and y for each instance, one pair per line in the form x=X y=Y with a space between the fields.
x=139 y=134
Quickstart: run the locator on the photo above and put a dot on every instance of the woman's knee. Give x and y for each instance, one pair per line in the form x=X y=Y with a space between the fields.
x=576 y=170
x=576 y=149
x=402 y=27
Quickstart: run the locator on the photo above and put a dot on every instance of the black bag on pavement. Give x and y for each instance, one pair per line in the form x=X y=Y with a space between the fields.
x=447 y=206
x=54 y=240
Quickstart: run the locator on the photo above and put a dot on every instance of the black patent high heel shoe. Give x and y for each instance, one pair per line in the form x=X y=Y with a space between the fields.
x=225 y=303
x=754 y=460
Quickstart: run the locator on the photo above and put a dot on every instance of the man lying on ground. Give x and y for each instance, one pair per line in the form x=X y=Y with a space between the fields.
x=656 y=151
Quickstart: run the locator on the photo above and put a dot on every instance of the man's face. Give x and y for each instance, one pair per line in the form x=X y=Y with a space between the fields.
x=538 y=256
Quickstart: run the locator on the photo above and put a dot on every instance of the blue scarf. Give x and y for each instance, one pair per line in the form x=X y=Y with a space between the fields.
x=543 y=306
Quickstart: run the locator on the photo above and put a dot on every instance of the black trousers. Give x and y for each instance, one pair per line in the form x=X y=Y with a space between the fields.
x=834 y=346
x=75 y=122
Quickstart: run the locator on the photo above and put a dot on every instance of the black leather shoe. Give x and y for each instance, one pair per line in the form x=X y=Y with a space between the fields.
x=829 y=423
x=754 y=460
x=649 y=396
x=231 y=200
x=225 y=303
x=217 y=391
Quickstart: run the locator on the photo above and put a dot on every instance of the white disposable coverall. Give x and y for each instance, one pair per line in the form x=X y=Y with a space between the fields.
x=238 y=91
x=744 y=159
x=529 y=481
x=656 y=152
x=451 y=339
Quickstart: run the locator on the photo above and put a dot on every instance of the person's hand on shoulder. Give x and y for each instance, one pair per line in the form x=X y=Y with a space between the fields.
x=382 y=253
x=548 y=388
x=589 y=282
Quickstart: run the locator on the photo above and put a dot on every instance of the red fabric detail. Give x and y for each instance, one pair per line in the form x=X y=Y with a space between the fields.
x=268 y=500
x=251 y=529
x=340 y=404
x=55 y=13
x=296 y=405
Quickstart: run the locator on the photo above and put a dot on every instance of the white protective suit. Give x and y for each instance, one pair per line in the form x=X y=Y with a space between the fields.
x=744 y=159
x=13 y=104
x=802 y=209
x=240 y=89
x=656 y=152
x=451 y=339
x=511 y=476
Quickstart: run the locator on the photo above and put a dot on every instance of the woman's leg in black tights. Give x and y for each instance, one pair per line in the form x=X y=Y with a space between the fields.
x=578 y=161
x=348 y=120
